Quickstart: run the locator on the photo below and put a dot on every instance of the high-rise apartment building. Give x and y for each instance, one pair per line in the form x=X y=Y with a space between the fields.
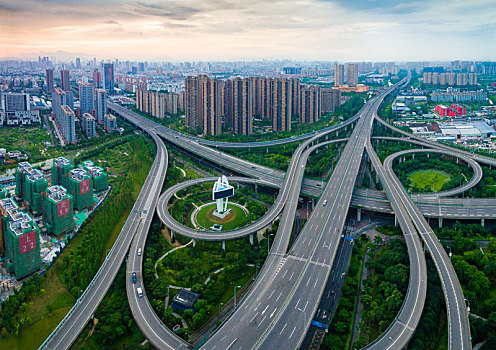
x=60 y=98
x=472 y=79
x=100 y=104
x=49 y=80
x=213 y=106
x=242 y=106
x=338 y=74
x=281 y=104
x=68 y=124
x=352 y=74
x=20 y=239
x=108 y=77
x=64 y=80
x=330 y=99
x=204 y=104
x=78 y=63
x=157 y=104
x=462 y=79
x=88 y=123
x=86 y=98
x=193 y=102
x=97 y=78
x=310 y=104
x=110 y=122
x=295 y=95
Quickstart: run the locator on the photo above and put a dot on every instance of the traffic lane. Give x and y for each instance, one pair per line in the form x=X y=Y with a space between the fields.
x=398 y=333
x=459 y=330
x=94 y=295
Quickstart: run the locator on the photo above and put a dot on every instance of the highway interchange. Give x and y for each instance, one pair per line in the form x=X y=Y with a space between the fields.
x=282 y=302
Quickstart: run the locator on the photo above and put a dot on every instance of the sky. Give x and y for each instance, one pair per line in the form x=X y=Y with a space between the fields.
x=177 y=30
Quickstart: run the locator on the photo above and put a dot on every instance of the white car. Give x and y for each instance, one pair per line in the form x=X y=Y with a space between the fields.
x=325 y=203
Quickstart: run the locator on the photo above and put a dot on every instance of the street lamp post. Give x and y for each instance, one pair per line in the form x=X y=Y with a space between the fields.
x=219 y=308
x=268 y=242
x=449 y=252
x=468 y=307
x=235 y=304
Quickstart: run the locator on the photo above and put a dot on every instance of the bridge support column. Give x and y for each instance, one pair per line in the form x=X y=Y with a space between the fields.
x=194 y=242
x=223 y=245
x=256 y=188
x=172 y=234
x=359 y=214
x=456 y=160
x=251 y=238
x=440 y=222
x=413 y=155
x=313 y=202
x=395 y=220
x=483 y=222
x=428 y=156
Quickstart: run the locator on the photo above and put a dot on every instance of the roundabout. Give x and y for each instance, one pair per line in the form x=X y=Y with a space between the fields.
x=204 y=218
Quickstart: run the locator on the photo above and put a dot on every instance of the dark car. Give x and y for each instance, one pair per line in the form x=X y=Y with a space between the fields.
x=134 y=277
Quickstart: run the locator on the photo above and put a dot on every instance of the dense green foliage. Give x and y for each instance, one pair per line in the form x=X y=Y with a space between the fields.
x=190 y=267
x=432 y=329
x=13 y=312
x=384 y=288
x=79 y=266
x=342 y=321
x=322 y=161
x=460 y=173
x=476 y=271
x=115 y=320
x=486 y=188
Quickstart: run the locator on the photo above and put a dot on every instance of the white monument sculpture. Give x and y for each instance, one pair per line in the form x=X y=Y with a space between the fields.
x=220 y=193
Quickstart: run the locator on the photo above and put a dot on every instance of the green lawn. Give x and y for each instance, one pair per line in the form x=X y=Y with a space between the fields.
x=433 y=179
x=236 y=218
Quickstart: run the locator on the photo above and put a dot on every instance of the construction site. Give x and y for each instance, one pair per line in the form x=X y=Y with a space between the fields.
x=43 y=213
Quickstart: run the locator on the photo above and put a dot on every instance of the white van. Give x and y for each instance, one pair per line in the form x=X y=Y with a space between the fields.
x=140 y=292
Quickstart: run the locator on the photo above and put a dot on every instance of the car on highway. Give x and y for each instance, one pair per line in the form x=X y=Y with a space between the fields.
x=140 y=292
x=325 y=203
x=139 y=251
x=134 y=277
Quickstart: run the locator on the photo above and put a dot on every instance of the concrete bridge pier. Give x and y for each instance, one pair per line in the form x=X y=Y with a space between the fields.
x=483 y=221
x=172 y=234
x=395 y=220
x=252 y=238
x=359 y=214
x=194 y=242
x=440 y=222
x=223 y=245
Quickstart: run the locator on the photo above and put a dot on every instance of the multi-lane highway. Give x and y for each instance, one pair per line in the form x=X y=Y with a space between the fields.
x=278 y=314
x=265 y=220
x=399 y=332
x=137 y=223
x=459 y=327
x=277 y=311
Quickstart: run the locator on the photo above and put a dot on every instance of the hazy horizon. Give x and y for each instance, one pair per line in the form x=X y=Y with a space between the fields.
x=229 y=30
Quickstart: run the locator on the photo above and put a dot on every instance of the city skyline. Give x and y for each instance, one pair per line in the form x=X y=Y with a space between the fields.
x=228 y=30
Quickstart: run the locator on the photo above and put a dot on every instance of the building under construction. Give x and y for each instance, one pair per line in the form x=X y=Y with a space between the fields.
x=20 y=239
x=99 y=176
x=3 y=193
x=80 y=185
x=59 y=210
x=30 y=186
x=60 y=170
